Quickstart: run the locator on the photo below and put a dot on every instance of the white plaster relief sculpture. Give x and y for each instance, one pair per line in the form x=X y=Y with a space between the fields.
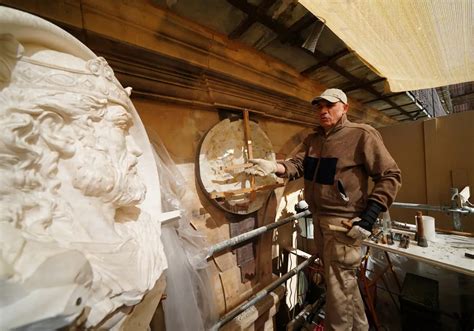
x=222 y=150
x=79 y=227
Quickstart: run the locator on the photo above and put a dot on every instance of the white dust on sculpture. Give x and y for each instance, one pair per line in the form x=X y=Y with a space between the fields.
x=76 y=230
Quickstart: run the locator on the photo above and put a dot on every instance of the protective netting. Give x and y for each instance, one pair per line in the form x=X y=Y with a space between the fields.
x=189 y=304
x=414 y=44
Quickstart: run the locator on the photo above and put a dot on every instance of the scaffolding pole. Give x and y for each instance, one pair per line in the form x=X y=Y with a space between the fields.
x=252 y=233
x=444 y=209
x=261 y=294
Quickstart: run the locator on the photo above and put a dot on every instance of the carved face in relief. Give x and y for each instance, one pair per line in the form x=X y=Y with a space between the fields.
x=68 y=164
x=55 y=116
x=107 y=168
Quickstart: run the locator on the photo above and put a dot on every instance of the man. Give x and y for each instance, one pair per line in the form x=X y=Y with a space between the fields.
x=336 y=162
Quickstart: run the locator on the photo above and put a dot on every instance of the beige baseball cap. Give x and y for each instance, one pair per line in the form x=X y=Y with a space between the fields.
x=332 y=95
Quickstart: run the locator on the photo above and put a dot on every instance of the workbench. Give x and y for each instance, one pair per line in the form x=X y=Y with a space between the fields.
x=440 y=253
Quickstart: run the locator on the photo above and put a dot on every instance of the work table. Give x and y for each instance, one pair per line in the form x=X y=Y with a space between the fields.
x=446 y=252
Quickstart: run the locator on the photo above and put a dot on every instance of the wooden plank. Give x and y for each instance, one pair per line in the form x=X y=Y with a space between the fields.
x=259 y=316
x=264 y=247
x=325 y=62
x=245 y=253
x=461 y=99
x=234 y=290
x=250 y=20
x=142 y=314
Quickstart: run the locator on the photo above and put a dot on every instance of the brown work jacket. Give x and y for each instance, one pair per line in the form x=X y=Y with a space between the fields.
x=336 y=167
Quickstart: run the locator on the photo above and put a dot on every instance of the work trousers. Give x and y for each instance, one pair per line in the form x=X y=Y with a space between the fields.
x=341 y=257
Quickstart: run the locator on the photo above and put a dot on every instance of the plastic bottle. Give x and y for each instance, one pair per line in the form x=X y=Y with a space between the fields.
x=386 y=223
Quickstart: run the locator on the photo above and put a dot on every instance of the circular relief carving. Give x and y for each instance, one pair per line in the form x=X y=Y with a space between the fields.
x=222 y=158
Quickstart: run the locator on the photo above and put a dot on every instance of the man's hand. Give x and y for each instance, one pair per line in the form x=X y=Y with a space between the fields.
x=362 y=226
x=357 y=229
x=261 y=167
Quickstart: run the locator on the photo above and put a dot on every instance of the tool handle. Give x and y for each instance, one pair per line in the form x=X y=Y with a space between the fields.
x=236 y=166
x=346 y=224
x=337 y=228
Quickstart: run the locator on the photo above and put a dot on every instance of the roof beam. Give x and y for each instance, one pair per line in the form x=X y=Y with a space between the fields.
x=251 y=11
x=463 y=98
x=299 y=25
x=282 y=30
x=250 y=19
x=404 y=105
x=325 y=62
x=385 y=97
x=369 y=88
x=353 y=87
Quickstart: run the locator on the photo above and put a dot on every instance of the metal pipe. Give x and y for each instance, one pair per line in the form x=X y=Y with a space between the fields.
x=296 y=323
x=252 y=233
x=454 y=204
x=298 y=253
x=420 y=206
x=261 y=294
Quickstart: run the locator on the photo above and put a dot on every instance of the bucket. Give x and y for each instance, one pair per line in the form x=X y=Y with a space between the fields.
x=429 y=227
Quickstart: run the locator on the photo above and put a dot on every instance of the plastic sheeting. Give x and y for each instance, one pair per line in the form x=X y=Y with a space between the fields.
x=189 y=304
x=414 y=44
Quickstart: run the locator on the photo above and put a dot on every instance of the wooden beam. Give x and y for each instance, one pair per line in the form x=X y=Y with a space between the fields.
x=354 y=87
x=241 y=28
x=250 y=20
x=324 y=63
x=299 y=25
x=393 y=105
x=463 y=98
x=384 y=98
x=252 y=11
x=369 y=89
x=166 y=36
x=404 y=105
x=281 y=30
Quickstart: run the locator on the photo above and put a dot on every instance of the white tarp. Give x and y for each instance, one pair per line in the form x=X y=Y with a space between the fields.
x=414 y=44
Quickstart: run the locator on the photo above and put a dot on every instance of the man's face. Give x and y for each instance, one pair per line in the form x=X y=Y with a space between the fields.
x=330 y=113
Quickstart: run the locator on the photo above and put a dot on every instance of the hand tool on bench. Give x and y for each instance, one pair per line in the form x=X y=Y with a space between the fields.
x=420 y=230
